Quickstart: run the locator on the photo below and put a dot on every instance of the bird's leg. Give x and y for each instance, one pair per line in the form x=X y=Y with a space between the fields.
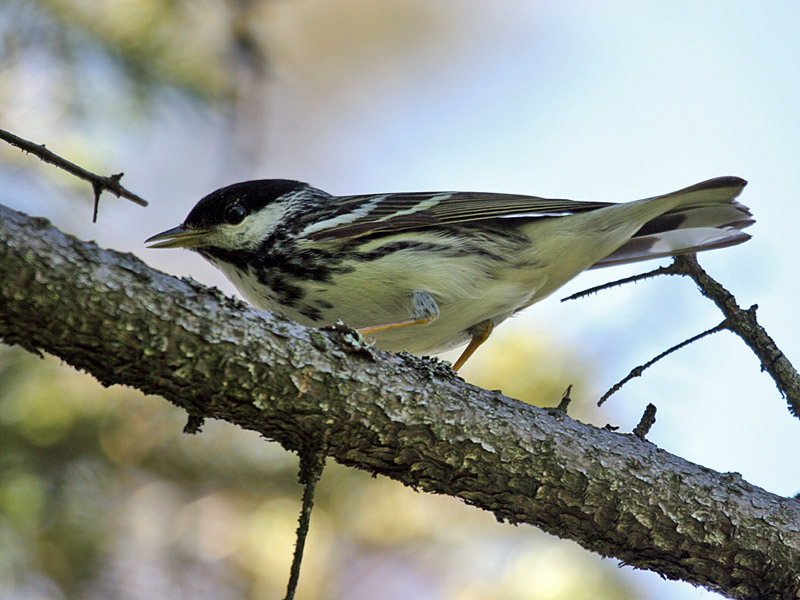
x=480 y=333
x=424 y=310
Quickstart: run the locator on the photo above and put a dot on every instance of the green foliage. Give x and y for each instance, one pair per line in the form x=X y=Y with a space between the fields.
x=189 y=45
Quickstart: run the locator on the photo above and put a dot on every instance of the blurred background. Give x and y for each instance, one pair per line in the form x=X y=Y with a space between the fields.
x=101 y=496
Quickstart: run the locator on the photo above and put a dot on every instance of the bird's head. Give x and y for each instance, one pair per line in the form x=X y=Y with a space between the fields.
x=235 y=218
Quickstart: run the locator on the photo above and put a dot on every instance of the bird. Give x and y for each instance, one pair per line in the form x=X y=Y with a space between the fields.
x=426 y=272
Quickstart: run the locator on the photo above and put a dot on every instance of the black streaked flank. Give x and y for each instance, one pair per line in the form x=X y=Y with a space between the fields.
x=247 y=262
x=279 y=251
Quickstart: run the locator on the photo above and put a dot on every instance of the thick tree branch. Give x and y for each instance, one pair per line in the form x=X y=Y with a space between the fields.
x=406 y=418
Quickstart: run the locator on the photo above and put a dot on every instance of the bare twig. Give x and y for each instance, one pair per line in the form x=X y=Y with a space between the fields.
x=312 y=463
x=637 y=371
x=669 y=270
x=744 y=324
x=99 y=182
x=740 y=321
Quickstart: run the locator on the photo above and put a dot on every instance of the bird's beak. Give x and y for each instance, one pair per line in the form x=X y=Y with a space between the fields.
x=178 y=237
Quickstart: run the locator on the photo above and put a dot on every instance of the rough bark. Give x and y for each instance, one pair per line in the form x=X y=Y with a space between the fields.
x=410 y=419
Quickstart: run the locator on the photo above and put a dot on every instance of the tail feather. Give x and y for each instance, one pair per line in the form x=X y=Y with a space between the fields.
x=707 y=216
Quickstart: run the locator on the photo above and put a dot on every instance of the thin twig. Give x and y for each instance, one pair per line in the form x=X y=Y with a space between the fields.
x=740 y=321
x=99 y=182
x=668 y=270
x=312 y=463
x=637 y=372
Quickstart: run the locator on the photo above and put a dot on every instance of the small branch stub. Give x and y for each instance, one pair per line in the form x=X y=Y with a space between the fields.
x=646 y=422
x=565 y=399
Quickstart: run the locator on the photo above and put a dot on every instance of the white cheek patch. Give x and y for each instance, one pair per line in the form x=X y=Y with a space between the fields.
x=248 y=234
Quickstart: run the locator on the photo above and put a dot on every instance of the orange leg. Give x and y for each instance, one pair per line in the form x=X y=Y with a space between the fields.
x=423 y=310
x=406 y=323
x=480 y=333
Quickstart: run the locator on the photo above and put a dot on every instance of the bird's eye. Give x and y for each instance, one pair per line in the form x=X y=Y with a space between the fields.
x=235 y=214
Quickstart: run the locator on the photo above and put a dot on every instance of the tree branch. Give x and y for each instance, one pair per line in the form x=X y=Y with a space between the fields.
x=744 y=324
x=410 y=419
x=739 y=321
x=99 y=182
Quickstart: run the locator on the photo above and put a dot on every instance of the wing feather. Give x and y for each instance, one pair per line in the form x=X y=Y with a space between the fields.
x=385 y=213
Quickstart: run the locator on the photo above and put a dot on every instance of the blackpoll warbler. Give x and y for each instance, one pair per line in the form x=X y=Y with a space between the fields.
x=426 y=272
